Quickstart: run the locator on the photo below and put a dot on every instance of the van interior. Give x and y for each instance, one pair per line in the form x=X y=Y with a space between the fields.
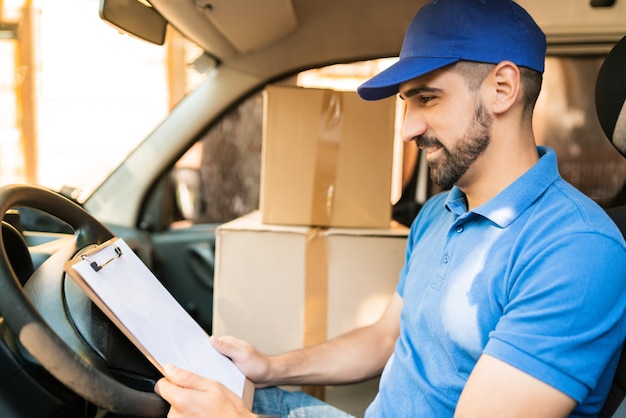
x=201 y=168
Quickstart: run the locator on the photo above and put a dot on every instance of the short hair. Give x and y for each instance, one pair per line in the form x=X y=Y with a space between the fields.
x=476 y=72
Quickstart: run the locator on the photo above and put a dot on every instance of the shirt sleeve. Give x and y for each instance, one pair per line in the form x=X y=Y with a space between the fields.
x=564 y=319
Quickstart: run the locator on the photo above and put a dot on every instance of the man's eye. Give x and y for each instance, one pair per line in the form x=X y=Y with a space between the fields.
x=426 y=99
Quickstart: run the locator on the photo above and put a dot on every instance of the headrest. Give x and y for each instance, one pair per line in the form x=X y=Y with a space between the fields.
x=611 y=96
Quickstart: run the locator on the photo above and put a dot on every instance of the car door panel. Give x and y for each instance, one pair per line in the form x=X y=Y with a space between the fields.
x=184 y=261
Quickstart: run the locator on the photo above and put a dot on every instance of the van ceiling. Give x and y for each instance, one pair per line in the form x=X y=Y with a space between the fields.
x=216 y=25
x=273 y=20
x=577 y=22
x=310 y=32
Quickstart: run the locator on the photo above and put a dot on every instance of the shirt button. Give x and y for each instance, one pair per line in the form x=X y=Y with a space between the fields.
x=445 y=259
x=459 y=229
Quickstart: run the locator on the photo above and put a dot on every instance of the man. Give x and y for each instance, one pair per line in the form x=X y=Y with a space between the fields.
x=512 y=298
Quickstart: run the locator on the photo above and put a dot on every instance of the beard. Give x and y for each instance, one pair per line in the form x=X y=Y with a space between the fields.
x=454 y=162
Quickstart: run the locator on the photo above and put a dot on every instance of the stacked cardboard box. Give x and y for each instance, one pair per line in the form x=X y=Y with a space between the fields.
x=270 y=277
x=285 y=287
x=327 y=158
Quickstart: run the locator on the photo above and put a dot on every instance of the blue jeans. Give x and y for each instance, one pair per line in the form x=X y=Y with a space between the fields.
x=280 y=403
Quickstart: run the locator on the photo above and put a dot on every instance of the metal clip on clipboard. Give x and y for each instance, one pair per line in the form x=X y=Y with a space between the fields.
x=97 y=267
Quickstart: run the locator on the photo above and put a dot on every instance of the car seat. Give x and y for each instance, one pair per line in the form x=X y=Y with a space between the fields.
x=611 y=109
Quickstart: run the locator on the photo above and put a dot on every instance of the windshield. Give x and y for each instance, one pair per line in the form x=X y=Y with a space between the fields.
x=80 y=95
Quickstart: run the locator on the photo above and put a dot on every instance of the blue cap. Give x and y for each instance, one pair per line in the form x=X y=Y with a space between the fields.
x=447 y=31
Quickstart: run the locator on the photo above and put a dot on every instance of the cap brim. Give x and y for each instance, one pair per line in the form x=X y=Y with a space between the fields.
x=387 y=82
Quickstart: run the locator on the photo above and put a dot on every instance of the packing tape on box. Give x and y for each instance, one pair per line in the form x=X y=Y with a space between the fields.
x=315 y=295
x=326 y=159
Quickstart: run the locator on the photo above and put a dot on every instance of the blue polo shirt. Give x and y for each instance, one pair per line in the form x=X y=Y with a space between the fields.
x=534 y=277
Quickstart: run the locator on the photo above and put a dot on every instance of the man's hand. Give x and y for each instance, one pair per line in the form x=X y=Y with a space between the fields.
x=191 y=395
x=254 y=365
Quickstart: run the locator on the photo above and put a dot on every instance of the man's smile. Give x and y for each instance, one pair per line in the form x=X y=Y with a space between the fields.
x=429 y=145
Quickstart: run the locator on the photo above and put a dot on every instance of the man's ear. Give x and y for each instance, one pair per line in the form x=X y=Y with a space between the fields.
x=507 y=82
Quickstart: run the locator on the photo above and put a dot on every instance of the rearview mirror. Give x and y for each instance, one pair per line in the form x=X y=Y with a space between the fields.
x=134 y=18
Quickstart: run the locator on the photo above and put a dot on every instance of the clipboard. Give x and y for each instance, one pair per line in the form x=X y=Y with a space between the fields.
x=131 y=296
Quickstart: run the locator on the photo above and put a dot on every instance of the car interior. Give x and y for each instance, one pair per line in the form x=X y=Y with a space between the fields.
x=61 y=356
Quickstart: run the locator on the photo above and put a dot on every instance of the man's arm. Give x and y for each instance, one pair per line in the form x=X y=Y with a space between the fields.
x=355 y=356
x=497 y=389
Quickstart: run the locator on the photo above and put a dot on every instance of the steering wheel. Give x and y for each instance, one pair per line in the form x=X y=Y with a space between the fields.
x=89 y=379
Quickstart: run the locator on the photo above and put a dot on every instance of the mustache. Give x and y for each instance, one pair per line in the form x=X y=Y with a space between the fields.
x=426 y=141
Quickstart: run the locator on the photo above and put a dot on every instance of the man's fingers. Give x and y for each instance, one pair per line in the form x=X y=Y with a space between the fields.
x=169 y=391
x=187 y=393
x=230 y=346
x=161 y=387
x=183 y=378
x=217 y=343
x=224 y=344
x=251 y=362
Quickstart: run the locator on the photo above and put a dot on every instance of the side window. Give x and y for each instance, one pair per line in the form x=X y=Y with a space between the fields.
x=217 y=180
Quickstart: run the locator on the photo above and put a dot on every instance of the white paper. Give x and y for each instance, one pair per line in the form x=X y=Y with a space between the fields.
x=152 y=315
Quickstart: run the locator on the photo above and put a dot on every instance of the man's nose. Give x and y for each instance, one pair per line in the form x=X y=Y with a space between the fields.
x=413 y=125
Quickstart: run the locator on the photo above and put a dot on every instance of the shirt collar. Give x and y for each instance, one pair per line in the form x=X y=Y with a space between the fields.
x=507 y=205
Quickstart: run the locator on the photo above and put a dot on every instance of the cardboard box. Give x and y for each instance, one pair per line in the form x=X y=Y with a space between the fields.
x=327 y=158
x=260 y=291
x=285 y=287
